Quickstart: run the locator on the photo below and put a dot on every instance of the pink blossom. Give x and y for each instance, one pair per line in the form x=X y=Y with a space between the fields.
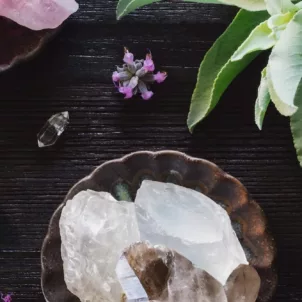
x=136 y=76
x=6 y=298
x=160 y=77
x=127 y=91
x=147 y=95
x=115 y=77
x=128 y=57
x=148 y=63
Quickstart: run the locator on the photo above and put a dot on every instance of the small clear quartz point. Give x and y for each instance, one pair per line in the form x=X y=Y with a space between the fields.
x=53 y=128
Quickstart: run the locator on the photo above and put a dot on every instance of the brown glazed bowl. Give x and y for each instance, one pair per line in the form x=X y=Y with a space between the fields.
x=19 y=43
x=123 y=177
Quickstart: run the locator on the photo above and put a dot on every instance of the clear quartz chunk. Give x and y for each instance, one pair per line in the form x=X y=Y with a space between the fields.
x=191 y=224
x=52 y=130
x=132 y=287
x=95 y=229
x=168 y=276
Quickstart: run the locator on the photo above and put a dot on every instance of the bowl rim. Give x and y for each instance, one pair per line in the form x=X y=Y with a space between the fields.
x=153 y=154
x=48 y=36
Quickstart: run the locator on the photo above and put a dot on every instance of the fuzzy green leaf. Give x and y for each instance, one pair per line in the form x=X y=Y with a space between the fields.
x=284 y=67
x=296 y=123
x=275 y=7
x=262 y=101
x=264 y=36
x=278 y=23
x=284 y=108
x=280 y=20
x=124 y=7
x=204 y=1
x=251 y=5
x=261 y=38
x=217 y=71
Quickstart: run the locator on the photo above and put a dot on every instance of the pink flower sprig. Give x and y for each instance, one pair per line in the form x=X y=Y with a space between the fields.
x=6 y=298
x=136 y=76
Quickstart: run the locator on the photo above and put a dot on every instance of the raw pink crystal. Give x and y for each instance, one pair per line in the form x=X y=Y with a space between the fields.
x=38 y=14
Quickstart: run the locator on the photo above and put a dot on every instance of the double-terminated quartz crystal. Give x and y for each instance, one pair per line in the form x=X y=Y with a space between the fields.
x=198 y=248
x=52 y=130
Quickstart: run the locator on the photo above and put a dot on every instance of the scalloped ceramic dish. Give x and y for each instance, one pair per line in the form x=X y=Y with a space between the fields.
x=123 y=177
x=19 y=43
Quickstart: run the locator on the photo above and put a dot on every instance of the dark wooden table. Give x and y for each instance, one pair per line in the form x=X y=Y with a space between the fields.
x=74 y=73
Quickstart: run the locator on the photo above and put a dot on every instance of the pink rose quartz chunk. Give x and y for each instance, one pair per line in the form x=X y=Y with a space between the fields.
x=38 y=14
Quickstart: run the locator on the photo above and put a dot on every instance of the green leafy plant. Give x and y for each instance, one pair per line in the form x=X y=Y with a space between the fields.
x=259 y=25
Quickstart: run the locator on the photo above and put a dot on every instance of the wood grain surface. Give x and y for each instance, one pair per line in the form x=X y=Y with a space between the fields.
x=74 y=73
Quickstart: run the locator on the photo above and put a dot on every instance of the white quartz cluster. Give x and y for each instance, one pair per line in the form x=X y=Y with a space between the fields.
x=96 y=229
